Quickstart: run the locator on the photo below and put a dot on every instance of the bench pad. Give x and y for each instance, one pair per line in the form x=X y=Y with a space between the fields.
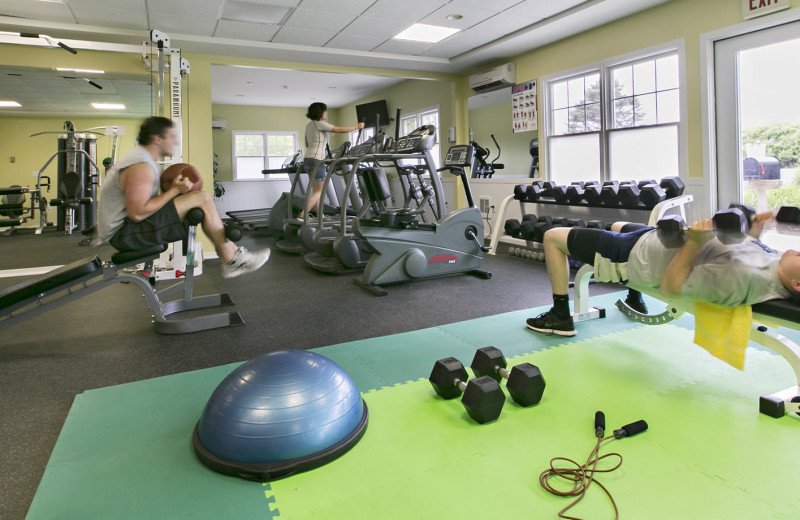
x=52 y=280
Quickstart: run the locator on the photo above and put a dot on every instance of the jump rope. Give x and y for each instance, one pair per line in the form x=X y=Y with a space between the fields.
x=581 y=476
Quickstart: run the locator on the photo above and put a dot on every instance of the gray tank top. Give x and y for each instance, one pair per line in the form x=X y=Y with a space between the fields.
x=111 y=206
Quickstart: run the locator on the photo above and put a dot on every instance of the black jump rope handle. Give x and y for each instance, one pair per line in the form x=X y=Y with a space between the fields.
x=599 y=424
x=631 y=429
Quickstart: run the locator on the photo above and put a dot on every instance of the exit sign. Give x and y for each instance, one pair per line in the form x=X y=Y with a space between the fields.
x=754 y=8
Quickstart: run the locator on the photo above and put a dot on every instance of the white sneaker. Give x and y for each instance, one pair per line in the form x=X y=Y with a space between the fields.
x=244 y=262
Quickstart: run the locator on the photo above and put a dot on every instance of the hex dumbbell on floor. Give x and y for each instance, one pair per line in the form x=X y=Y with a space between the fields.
x=525 y=381
x=482 y=397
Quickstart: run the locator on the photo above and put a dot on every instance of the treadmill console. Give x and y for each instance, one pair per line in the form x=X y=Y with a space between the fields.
x=362 y=149
x=459 y=155
x=419 y=140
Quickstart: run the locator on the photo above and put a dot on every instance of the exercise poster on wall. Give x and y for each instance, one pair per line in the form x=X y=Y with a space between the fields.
x=523 y=107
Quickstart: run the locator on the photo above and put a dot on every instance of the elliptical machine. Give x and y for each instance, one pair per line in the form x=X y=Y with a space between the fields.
x=480 y=168
x=407 y=249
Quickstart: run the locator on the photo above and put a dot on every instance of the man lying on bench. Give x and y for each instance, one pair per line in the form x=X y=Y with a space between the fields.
x=697 y=267
x=133 y=215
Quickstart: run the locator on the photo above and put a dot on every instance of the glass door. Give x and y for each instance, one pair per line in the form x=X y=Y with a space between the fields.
x=757 y=88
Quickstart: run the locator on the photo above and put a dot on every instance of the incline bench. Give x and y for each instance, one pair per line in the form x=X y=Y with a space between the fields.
x=780 y=313
x=83 y=277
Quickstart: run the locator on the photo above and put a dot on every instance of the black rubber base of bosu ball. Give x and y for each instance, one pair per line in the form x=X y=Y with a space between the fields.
x=267 y=472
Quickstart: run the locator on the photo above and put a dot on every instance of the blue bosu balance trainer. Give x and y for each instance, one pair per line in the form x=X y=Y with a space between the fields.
x=280 y=414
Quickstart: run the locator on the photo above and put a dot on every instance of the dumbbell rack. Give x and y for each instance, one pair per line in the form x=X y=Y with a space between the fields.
x=497 y=235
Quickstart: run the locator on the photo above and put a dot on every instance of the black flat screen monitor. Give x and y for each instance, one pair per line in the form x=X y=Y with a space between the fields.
x=368 y=113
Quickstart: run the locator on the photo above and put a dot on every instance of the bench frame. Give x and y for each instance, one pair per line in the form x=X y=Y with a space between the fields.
x=117 y=271
x=774 y=405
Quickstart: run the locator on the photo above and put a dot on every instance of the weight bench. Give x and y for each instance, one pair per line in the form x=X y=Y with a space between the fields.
x=776 y=313
x=68 y=283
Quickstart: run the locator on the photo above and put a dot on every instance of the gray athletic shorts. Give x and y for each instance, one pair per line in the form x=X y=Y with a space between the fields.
x=162 y=227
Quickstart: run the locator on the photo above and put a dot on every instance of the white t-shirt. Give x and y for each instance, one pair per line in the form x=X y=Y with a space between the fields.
x=318 y=135
x=725 y=274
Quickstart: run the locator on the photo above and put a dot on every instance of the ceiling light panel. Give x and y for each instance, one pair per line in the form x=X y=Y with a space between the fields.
x=425 y=33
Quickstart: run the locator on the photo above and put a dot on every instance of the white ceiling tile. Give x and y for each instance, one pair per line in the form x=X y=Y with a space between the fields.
x=471 y=16
x=540 y=9
x=402 y=47
x=177 y=8
x=242 y=11
x=303 y=36
x=406 y=10
x=497 y=5
x=354 y=7
x=280 y=3
x=106 y=16
x=36 y=10
x=245 y=31
x=183 y=24
x=501 y=25
x=315 y=21
x=378 y=27
x=358 y=42
x=130 y=5
x=450 y=48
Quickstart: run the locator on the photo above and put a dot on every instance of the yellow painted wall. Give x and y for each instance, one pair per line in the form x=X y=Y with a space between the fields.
x=686 y=19
x=412 y=96
x=31 y=153
x=237 y=117
x=497 y=120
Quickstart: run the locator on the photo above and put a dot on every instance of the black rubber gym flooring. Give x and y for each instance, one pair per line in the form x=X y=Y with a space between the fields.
x=106 y=338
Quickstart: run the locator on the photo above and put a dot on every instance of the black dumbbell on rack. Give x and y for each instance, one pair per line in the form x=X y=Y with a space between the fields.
x=525 y=382
x=610 y=192
x=482 y=397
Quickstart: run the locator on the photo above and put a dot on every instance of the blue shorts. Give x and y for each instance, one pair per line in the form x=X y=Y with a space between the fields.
x=584 y=243
x=310 y=167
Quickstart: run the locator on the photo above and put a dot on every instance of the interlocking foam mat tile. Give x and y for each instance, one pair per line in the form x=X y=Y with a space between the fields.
x=125 y=451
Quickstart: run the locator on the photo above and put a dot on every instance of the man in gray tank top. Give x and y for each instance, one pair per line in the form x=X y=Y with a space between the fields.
x=133 y=215
x=702 y=269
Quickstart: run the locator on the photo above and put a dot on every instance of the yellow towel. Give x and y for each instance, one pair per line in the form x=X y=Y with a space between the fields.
x=723 y=331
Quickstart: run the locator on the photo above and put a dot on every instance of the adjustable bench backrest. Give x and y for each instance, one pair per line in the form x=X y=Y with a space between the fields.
x=57 y=279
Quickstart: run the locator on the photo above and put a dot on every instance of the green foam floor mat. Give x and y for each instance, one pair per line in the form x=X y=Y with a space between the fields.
x=125 y=451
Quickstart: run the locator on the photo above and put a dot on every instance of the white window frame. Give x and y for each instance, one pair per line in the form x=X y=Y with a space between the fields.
x=366 y=133
x=417 y=116
x=604 y=68
x=266 y=134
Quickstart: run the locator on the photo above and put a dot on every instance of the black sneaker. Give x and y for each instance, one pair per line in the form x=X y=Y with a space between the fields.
x=636 y=304
x=549 y=323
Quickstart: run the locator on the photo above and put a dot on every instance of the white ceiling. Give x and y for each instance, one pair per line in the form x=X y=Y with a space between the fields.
x=232 y=85
x=325 y=32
